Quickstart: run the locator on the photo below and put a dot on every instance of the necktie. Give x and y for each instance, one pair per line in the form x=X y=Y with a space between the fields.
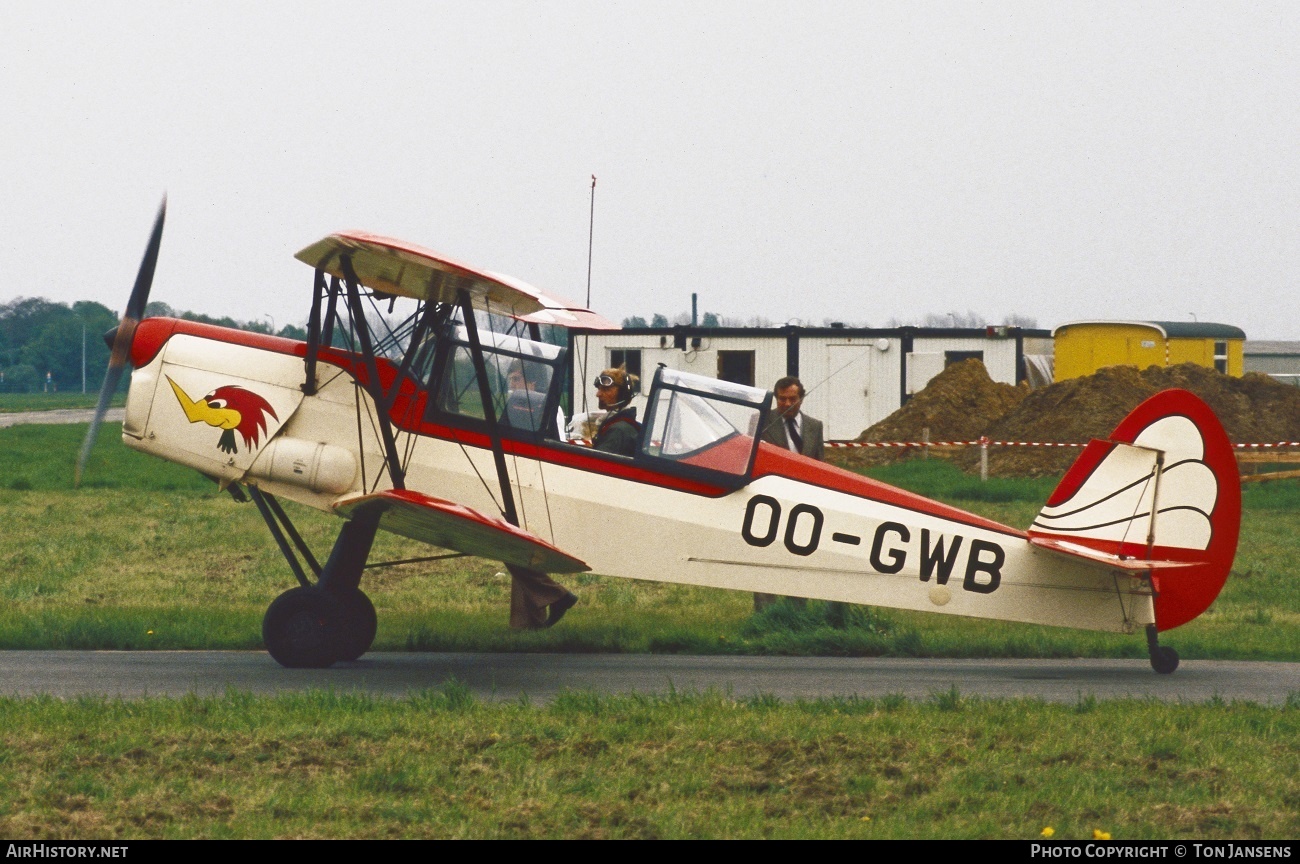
x=795 y=438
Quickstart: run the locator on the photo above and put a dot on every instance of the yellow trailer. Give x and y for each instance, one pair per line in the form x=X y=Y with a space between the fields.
x=1083 y=347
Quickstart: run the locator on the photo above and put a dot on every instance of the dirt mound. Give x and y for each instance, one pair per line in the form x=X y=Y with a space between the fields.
x=962 y=403
x=1254 y=409
x=1072 y=411
x=959 y=404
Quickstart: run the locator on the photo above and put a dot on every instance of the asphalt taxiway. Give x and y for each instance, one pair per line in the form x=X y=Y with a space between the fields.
x=540 y=677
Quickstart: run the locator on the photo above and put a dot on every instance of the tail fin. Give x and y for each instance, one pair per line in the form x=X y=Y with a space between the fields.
x=1164 y=488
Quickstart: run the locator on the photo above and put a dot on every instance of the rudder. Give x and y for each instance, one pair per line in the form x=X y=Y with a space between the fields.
x=1169 y=458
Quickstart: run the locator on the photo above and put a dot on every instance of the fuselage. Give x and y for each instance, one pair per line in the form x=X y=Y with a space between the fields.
x=793 y=526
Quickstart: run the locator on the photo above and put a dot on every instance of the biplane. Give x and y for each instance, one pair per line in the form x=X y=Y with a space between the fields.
x=402 y=412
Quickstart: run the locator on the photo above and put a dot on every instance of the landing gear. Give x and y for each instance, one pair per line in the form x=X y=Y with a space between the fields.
x=317 y=625
x=1163 y=659
x=357 y=627
x=310 y=628
x=300 y=628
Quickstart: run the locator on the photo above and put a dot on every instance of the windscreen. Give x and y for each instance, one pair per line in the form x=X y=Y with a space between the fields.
x=703 y=422
x=520 y=375
x=685 y=423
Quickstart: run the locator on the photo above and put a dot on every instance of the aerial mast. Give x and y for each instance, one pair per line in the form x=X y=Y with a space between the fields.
x=591 y=229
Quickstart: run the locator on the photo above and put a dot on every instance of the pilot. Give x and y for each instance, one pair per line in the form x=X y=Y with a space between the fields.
x=620 y=431
x=524 y=403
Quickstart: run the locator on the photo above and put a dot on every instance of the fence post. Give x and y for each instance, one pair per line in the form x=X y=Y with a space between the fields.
x=925 y=443
x=984 y=458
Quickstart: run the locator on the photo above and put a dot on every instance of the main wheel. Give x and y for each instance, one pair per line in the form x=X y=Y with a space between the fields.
x=1164 y=660
x=359 y=625
x=302 y=627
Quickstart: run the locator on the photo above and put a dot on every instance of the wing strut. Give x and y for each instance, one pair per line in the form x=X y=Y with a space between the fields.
x=395 y=471
x=313 y=335
x=273 y=515
x=489 y=413
x=518 y=573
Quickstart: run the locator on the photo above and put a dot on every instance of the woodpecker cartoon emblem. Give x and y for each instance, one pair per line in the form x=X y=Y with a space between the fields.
x=231 y=409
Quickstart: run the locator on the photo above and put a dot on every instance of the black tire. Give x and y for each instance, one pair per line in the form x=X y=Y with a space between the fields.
x=359 y=625
x=301 y=629
x=1164 y=660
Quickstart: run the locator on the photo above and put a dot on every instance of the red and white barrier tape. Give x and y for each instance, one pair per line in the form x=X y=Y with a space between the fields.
x=976 y=443
x=899 y=443
x=985 y=442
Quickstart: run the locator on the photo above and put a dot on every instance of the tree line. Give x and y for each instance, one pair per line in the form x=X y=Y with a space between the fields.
x=708 y=319
x=42 y=342
x=950 y=319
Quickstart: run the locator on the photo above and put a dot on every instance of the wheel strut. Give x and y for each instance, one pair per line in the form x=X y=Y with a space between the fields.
x=318 y=625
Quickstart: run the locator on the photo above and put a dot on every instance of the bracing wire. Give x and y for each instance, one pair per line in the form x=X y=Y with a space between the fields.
x=491 y=494
x=519 y=490
x=546 y=497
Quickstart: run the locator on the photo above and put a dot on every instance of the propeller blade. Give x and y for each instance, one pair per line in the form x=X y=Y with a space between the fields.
x=125 y=336
x=144 y=279
x=111 y=380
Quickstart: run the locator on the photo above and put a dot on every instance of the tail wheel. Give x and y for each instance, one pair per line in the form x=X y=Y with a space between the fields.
x=1163 y=658
x=301 y=628
x=359 y=625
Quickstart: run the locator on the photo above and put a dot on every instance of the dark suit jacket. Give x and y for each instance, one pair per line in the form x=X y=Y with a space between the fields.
x=811 y=433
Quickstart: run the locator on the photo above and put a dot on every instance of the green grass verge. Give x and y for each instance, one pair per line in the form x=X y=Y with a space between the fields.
x=441 y=765
x=149 y=554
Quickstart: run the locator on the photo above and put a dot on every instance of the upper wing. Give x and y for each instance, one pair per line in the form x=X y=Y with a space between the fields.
x=454 y=526
x=407 y=270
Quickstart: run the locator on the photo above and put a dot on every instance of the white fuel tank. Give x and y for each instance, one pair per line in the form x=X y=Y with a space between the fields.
x=309 y=464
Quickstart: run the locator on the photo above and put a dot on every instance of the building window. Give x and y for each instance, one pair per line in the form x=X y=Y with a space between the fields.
x=951 y=357
x=736 y=367
x=629 y=358
x=1221 y=357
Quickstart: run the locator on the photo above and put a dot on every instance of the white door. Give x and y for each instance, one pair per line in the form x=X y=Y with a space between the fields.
x=847 y=390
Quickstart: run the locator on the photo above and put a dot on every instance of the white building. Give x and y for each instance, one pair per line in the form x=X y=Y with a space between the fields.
x=1281 y=360
x=854 y=377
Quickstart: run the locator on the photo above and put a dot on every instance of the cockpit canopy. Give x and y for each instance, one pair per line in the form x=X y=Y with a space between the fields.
x=520 y=372
x=704 y=426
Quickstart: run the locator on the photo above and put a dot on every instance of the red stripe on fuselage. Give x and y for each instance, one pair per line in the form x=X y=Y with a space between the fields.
x=153 y=333
x=779 y=462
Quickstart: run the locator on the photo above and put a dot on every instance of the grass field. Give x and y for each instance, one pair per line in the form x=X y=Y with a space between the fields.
x=439 y=765
x=150 y=555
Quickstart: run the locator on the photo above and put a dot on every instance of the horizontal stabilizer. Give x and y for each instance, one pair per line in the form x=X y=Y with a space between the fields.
x=448 y=525
x=1122 y=562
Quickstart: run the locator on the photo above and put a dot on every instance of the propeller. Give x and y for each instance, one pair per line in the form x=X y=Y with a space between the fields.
x=123 y=338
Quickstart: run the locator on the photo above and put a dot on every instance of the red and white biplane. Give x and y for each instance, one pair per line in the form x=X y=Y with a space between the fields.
x=406 y=423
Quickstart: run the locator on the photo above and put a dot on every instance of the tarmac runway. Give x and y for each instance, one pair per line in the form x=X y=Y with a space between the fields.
x=63 y=415
x=540 y=677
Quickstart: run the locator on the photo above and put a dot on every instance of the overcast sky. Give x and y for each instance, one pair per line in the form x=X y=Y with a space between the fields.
x=861 y=161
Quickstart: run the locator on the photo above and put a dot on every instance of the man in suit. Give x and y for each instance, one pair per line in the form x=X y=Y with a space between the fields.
x=791 y=429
